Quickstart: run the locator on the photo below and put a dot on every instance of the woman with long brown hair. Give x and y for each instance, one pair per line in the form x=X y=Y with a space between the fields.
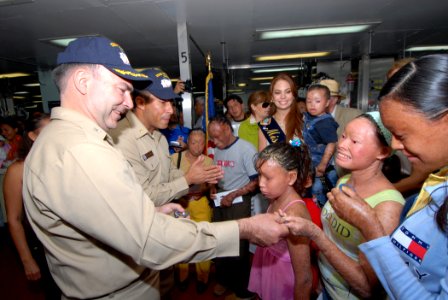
x=286 y=122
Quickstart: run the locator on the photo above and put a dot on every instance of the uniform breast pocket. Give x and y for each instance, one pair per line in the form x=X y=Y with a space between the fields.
x=152 y=163
x=150 y=160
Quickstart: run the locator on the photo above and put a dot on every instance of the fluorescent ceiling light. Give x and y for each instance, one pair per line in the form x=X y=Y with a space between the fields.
x=428 y=48
x=21 y=93
x=270 y=70
x=18 y=97
x=235 y=91
x=237 y=67
x=262 y=78
x=37 y=96
x=292 y=56
x=266 y=65
x=14 y=2
x=313 y=31
x=242 y=84
x=62 y=42
x=13 y=75
x=264 y=83
x=31 y=84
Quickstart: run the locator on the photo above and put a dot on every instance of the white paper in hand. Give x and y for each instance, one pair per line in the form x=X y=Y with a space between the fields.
x=219 y=197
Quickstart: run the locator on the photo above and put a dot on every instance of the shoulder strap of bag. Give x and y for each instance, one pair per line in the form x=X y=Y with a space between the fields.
x=179 y=157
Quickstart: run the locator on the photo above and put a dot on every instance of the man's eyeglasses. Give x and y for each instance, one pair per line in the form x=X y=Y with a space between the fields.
x=265 y=104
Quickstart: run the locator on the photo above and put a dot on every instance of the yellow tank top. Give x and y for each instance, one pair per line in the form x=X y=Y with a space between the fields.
x=347 y=238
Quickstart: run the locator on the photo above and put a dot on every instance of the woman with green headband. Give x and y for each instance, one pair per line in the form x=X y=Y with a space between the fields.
x=411 y=263
x=361 y=149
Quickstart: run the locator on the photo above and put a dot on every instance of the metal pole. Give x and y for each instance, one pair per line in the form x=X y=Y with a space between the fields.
x=184 y=61
x=224 y=69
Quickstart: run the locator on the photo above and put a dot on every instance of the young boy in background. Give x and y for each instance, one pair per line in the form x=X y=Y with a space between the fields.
x=320 y=134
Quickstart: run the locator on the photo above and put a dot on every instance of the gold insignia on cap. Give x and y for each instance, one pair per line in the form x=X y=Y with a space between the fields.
x=123 y=72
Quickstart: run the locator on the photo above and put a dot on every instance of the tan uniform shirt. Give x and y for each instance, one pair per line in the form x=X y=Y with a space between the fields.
x=149 y=156
x=97 y=224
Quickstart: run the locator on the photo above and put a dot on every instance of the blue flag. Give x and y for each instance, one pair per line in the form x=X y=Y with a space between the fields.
x=209 y=111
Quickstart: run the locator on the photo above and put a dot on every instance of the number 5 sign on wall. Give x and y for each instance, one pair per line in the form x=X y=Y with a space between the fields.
x=183 y=57
x=184 y=51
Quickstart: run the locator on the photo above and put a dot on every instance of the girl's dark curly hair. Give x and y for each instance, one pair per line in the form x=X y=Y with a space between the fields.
x=291 y=159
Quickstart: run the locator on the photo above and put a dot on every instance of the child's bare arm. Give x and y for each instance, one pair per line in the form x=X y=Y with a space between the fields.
x=329 y=151
x=299 y=250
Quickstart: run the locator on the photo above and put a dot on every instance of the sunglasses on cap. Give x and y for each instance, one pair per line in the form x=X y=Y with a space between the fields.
x=265 y=104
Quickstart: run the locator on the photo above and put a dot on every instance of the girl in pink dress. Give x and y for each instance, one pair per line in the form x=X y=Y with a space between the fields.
x=284 y=270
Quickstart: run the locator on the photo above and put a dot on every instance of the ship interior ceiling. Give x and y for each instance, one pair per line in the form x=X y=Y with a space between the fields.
x=231 y=31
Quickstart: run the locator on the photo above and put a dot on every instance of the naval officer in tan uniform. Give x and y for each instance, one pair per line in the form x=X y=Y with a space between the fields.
x=137 y=136
x=99 y=228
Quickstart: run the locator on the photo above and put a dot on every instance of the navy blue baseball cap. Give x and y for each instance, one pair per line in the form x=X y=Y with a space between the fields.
x=101 y=51
x=161 y=85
